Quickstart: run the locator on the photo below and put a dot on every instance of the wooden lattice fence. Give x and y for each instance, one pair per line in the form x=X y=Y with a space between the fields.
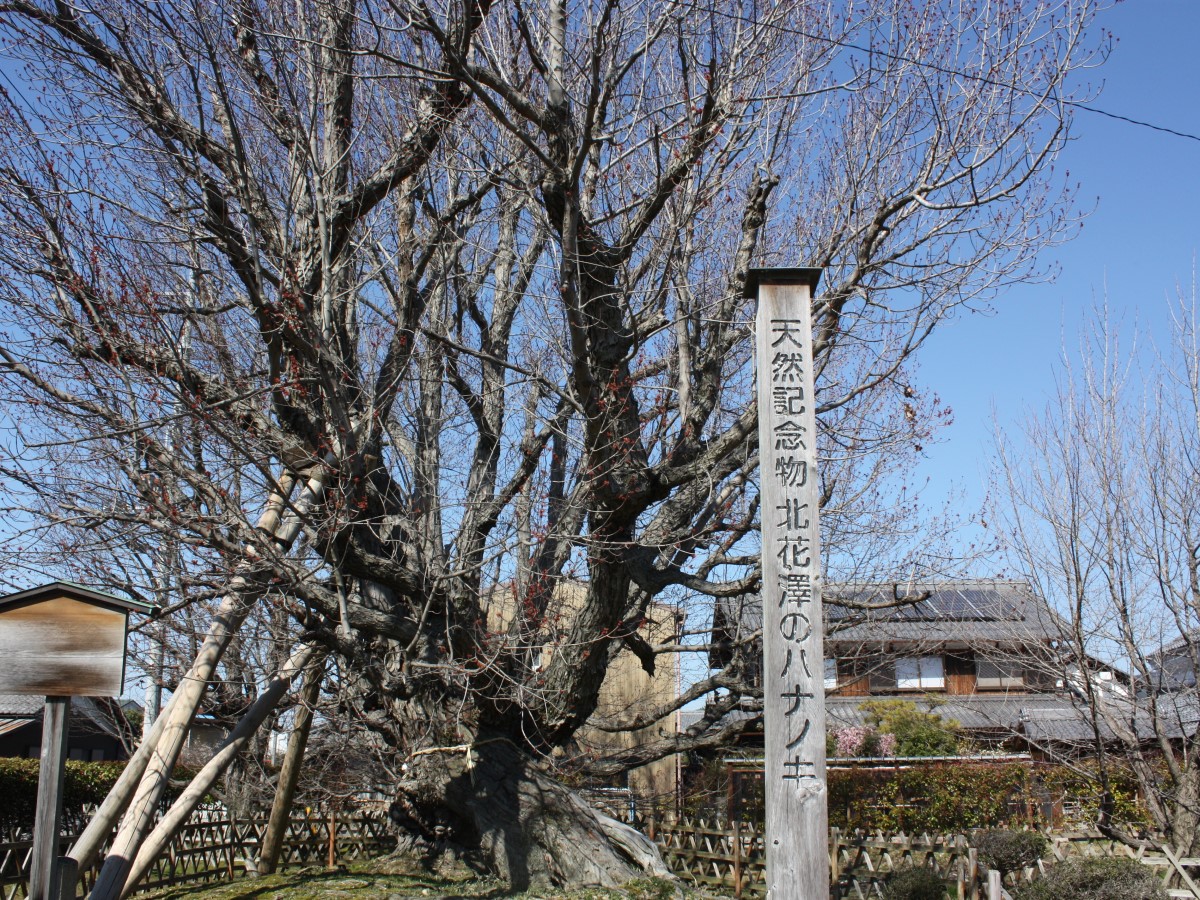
x=706 y=853
x=732 y=859
x=214 y=846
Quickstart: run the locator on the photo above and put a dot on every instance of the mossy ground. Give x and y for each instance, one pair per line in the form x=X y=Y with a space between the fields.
x=379 y=881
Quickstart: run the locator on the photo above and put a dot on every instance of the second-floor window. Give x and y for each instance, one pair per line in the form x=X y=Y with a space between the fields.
x=920 y=673
x=994 y=674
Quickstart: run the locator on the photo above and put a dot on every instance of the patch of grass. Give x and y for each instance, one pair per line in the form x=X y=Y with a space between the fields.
x=372 y=882
x=313 y=883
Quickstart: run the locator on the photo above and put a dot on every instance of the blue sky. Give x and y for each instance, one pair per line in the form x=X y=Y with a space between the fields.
x=1139 y=245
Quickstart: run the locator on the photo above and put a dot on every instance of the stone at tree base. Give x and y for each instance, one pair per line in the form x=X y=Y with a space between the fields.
x=527 y=828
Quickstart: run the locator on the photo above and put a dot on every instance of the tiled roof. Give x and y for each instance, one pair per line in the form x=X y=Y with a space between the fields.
x=974 y=712
x=24 y=706
x=1050 y=718
x=7 y=725
x=991 y=611
x=1041 y=718
x=18 y=709
x=964 y=611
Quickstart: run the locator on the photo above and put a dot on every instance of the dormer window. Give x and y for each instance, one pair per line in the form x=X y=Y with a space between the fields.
x=924 y=673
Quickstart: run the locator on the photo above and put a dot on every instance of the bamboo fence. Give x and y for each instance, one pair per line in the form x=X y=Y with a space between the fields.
x=215 y=846
x=730 y=858
x=726 y=858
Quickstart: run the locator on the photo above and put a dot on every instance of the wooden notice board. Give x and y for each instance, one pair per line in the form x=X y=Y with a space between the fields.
x=63 y=639
x=60 y=640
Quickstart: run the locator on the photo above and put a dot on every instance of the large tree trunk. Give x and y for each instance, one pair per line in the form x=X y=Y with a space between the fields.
x=491 y=799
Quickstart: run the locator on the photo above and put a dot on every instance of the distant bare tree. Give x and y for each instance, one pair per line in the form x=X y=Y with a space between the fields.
x=1098 y=505
x=462 y=290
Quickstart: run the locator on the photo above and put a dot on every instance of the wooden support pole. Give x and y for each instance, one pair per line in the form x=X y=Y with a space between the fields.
x=68 y=878
x=44 y=881
x=160 y=838
x=289 y=773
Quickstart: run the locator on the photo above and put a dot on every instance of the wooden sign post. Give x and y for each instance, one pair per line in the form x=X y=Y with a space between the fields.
x=797 y=819
x=44 y=880
x=61 y=640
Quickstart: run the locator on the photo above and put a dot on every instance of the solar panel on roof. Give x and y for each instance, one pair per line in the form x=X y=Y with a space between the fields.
x=987 y=605
x=954 y=604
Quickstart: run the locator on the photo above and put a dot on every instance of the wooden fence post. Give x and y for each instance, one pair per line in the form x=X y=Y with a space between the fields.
x=332 y=837
x=730 y=793
x=737 y=859
x=995 y=892
x=835 y=836
x=68 y=873
x=960 y=881
x=232 y=844
x=973 y=872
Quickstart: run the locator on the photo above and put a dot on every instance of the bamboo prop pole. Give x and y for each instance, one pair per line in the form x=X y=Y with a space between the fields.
x=177 y=716
x=187 y=802
x=87 y=846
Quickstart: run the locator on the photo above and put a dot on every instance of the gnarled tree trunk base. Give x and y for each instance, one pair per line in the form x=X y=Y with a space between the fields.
x=523 y=826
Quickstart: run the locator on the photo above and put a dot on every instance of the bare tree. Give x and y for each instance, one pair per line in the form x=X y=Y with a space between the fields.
x=1098 y=505
x=463 y=289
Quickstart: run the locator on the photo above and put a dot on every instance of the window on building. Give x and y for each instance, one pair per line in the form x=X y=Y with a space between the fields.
x=831 y=674
x=995 y=675
x=881 y=675
x=920 y=673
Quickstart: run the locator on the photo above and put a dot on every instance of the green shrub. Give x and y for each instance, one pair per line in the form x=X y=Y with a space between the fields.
x=936 y=797
x=914 y=883
x=85 y=784
x=1081 y=784
x=918 y=733
x=1009 y=851
x=1095 y=878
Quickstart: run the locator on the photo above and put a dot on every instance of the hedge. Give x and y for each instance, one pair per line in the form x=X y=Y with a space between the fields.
x=934 y=796
x=924 y=798
x=960 y=796
x=85 y=784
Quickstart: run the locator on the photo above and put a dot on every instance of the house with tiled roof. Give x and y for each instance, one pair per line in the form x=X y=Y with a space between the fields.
x=985 y=653
x=97 y=731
